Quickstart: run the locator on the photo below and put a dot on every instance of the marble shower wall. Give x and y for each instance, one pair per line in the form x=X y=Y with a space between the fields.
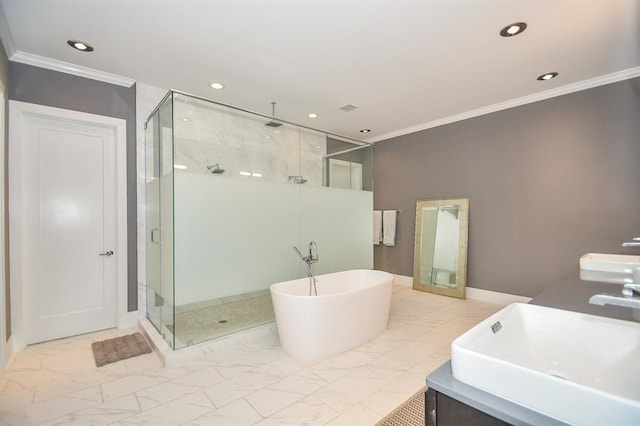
x=207 y=134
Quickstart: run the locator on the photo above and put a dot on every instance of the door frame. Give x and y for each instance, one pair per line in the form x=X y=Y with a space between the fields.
x=5 y=346
x=18 y=111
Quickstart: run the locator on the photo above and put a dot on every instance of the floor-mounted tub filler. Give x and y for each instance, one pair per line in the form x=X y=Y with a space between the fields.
x=351 y=308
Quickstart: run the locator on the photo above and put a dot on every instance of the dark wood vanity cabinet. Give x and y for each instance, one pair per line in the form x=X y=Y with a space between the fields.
x=442 y=410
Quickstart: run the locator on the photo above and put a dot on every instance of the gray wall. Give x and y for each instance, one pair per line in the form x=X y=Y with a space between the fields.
x=44 y=87
x=547 y=182
x=4 y=77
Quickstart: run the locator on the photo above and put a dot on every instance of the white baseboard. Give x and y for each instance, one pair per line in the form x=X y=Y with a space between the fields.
x=494 y=296
x=128 y=320
x=474 y=293
x=403 y=280
x=8 y=351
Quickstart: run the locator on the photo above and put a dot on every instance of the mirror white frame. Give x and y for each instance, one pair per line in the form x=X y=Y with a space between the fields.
x=440 y=251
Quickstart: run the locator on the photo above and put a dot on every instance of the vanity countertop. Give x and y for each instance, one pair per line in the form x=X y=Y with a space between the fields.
x=571 y=294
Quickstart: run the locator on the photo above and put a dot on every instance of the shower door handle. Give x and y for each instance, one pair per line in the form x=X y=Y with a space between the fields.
x=107 y=253
x=155 y=236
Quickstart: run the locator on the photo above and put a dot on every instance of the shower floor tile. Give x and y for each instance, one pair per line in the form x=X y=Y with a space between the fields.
x=249 y=382
x=202 y=321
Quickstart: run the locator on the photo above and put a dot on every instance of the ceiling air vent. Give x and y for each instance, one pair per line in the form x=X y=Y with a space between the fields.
x=348 y=107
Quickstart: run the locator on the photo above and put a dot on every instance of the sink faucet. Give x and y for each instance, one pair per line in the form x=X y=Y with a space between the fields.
x=629 y=298
x=634 y=243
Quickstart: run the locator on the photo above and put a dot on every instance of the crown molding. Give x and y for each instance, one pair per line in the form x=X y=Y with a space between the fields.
x=5 y=34
x=540 y=96
x=69 y=68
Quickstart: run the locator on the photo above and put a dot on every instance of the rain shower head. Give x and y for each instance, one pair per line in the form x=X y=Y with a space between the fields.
x=273 y=123
x=215 y=169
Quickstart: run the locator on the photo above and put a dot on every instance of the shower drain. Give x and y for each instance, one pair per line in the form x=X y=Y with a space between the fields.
x=223 y=322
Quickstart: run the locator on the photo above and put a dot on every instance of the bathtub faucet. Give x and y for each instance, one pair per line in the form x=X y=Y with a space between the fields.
x=308 y=260
x=311 y=258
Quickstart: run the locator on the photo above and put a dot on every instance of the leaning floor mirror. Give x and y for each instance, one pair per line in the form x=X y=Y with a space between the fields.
x=440 y=255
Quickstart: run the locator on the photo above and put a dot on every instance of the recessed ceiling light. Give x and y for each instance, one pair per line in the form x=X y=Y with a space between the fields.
x=216 y=86
x=312 y=115
x=547 y=76
x=513 y=29
x=348 y=107
x=186 y=119
x=365 y=130
x=80 y=45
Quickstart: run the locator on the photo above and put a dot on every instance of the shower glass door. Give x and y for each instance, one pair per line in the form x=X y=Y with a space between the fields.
x=159 y=220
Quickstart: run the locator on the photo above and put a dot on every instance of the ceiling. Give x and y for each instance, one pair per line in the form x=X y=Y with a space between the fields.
x=406 y=64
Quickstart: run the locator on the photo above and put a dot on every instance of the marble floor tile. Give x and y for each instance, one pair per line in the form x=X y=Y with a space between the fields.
x=394 y=393
x=268 y=401
x=305 y=382
x=142 y=363
x=225 y=393
x=101 y=414
x=162 y=393
x=73 y=383
x=15 y=418
x=358 y=415
x=55 y=407
x=176 y=412
x=383 y=401
x=242 y=381
x=239 y=413
x=16 y=399
x=128 y=384
x=349 y=391
x=201 y=378
x=307 y=411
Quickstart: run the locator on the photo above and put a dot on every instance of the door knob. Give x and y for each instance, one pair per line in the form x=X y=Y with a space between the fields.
x=107 y=253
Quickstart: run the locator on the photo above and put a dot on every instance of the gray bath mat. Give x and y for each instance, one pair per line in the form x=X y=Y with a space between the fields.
x=410 y=413
x=112 y=350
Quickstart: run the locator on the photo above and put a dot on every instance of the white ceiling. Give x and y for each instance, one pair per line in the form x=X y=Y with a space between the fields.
x=407 y=64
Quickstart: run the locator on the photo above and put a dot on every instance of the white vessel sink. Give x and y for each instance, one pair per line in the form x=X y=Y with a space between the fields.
x=618 y=263
x=576 y=368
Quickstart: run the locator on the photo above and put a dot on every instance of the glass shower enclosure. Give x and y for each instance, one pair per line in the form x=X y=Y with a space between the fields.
x=229 y=193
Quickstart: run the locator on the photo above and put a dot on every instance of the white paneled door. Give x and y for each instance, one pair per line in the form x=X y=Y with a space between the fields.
x=69 y=227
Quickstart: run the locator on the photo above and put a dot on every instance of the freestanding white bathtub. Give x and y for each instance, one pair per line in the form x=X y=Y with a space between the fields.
x=351 y=308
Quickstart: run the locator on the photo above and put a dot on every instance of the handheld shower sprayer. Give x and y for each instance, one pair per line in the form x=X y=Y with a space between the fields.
x=299 y=253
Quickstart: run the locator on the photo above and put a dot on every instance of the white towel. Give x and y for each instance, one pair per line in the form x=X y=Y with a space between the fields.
x=377 y=227
x=389 y=227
